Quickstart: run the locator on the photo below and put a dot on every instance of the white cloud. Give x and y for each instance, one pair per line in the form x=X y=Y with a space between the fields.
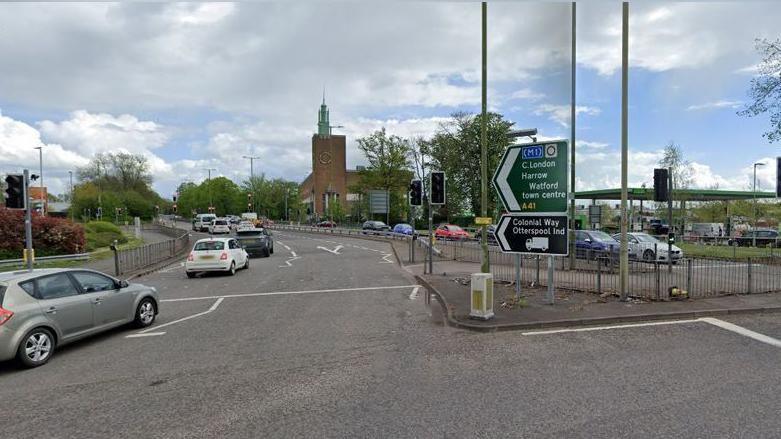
x=561 y=113
x=527 y=94
x=204 y=13
x=714 y=105
x=591 y=145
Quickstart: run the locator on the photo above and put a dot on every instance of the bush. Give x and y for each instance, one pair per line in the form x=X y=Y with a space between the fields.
x=51 y=236
x=103 y=234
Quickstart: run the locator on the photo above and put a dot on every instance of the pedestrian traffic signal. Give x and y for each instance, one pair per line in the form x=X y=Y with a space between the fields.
x=14 y=193
x=661 y=185
x=437 y=187
x=416 y=193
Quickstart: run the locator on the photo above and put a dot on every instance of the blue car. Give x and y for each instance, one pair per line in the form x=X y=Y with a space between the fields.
x=403 y=228
x=594 y=244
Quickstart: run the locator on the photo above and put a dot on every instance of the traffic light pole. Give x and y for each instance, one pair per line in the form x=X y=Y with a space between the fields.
x=430 y=237
x=28 y=222
x=670 y=229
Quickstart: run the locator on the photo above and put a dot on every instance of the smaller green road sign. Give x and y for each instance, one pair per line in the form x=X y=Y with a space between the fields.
x=532 y=178
x=533 y=234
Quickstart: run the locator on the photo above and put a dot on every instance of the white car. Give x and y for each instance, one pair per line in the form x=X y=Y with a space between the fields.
x=216 y=254
x=219 y=225
x=648 y=248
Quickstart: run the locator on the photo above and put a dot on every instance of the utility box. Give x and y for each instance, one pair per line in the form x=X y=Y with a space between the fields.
x=137 y=226
x=482 y=296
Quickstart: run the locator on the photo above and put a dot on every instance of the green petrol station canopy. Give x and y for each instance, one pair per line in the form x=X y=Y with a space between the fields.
x=647 y=194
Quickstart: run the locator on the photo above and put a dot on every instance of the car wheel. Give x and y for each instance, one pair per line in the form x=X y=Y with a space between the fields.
x=272 y=250
x=36 y=348
x=191 y=274
x=266 y=253
x=145 y=313
x=246 y=264
x=232 y=270
x=648 y=255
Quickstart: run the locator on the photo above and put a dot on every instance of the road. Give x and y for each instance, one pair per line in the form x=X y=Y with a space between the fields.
x=329 y=337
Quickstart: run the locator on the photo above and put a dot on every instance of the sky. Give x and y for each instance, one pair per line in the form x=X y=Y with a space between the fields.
x=199 y=85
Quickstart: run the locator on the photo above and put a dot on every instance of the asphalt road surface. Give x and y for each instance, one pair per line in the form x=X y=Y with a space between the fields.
x=329 y=337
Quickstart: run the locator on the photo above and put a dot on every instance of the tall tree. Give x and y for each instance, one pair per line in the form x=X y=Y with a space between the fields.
x=388 y=158
x=765 y=90
x=455 y=149
x=681 y=168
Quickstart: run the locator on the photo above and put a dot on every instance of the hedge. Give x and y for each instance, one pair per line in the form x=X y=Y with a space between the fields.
x=51 y=236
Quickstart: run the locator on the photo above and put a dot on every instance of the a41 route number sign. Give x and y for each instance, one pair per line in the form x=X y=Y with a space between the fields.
x=532 y=178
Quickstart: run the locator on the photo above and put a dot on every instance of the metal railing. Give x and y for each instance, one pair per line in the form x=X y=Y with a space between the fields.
x=21 y=262
x=341 y=231
x=129 y=260
x=598 y=272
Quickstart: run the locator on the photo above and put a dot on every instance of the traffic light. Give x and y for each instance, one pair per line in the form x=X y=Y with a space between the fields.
x=14 y=193
x=175 y=208
x=661 y=185
x=437 y=187
x=174 y=197
x=415 y=193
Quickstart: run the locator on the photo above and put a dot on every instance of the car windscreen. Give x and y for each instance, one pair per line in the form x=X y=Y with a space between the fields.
x=601 y=236
x=209 y=245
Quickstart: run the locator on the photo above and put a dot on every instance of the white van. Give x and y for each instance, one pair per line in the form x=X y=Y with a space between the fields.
x=203 y=221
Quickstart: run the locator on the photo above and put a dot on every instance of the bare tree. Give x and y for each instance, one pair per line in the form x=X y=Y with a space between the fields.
x=765 y=91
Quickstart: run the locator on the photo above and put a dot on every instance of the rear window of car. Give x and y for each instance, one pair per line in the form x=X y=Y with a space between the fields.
x=221 y=223
x=209 y=245
x=28 y=287
x=253 y=239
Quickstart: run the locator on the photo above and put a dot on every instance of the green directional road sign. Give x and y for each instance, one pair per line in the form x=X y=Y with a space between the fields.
x=532 y=178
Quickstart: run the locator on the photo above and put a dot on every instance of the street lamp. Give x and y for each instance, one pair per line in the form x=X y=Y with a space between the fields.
x=251 y=160
x=40 y=175
x=70 y=179
x=754 y=232
x=529 y=132
x=209 y=186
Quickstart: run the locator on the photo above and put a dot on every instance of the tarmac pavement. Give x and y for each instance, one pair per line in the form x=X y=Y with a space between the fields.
x=338 y=343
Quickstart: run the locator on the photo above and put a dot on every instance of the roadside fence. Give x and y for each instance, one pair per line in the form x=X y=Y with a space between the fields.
x=129 y=260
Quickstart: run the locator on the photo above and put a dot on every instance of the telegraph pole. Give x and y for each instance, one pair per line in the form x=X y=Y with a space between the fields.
x=624 y=255
x=209 y=184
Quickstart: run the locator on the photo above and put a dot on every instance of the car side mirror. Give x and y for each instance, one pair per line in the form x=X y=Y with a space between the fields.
x=587 y=240
x=123 y=284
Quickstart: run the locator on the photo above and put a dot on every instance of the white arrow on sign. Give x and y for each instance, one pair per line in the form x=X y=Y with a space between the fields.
x=334 y=251
x=501 y=179
x=500 y=234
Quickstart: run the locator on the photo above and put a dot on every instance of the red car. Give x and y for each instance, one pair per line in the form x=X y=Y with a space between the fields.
x=326 y=223
x=451 y=231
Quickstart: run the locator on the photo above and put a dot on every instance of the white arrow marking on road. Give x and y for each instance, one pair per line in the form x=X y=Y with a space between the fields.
x=288 y=262
x=385 y=259
x=334 y=251
x=148 y=334
x=504 y=188
x=212 y=308
x=414 y=294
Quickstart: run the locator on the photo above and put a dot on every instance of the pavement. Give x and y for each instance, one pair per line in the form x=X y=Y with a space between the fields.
x=451 y=283
x=331 y=338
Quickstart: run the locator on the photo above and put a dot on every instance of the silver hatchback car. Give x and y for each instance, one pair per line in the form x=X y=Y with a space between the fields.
x=46 y=308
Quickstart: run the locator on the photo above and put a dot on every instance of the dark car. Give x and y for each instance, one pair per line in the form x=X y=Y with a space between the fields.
x=593 y=244
x=326 y=224
x=764 y=238
x=256 y=242
x=375 y=227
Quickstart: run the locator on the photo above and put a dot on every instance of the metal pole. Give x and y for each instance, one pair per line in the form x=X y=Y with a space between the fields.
x=430 y=238
x=70 y=177
x=551 y=297
x=517 y=277
x=624 y=257
x=28 y=221
x=670 y=221
x=484 y=266
x=754 y=195
x=572 y=148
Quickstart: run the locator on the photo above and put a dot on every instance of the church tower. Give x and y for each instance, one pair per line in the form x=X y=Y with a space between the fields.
x=329 y=165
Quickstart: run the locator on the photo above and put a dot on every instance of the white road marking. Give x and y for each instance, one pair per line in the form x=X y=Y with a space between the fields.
x=282 y=293
x=414 y=294
x=147 y=334
x=742 y=331
x=212 y=308
x=385 y=259
x=601 y=328
x=288 y=262
x=334 y=251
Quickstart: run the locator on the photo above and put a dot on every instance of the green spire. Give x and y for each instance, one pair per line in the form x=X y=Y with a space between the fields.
x=323 y=125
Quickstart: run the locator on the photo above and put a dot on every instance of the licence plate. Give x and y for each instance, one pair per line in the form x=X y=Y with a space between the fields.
x=207 y=257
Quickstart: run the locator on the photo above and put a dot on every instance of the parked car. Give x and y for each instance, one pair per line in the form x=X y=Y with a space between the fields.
x=594 y=244
x=256 y=242
x=451 y=231
x=216 y=254
x=203 y=221
x=375 y=227
x=44 y=309
x=219 y=225
x=404 y=228
x=326 y=224
x=492 y=234
x=648 y=248
x=764 y=237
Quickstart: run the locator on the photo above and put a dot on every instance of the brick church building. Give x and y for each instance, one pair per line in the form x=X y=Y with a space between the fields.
x=330 y=178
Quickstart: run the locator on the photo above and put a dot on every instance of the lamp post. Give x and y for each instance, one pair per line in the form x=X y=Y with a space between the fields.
x=40 y=176
x=484 y=266
x=70 y=179
x=209 y=187
x=754 y=232
x=251 y=160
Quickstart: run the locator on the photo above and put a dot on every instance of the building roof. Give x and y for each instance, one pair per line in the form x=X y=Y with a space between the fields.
x=639 y=193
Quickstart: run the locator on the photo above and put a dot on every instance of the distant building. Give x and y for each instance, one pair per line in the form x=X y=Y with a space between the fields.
x=330 y=179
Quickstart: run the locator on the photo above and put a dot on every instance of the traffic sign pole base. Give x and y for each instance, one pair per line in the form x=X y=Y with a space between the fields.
x=482 y=292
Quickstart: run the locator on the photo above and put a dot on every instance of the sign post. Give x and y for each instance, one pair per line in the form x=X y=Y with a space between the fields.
x=532 y=183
